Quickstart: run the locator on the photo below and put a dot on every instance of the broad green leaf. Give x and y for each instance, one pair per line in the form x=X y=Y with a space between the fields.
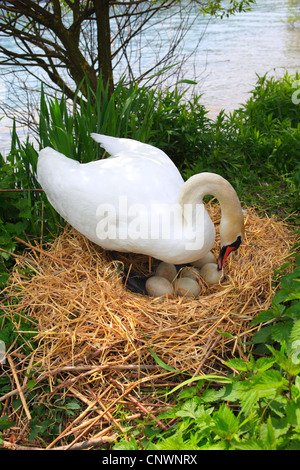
x=264 y=363
x=238 y=364
x=267 y=435
x=226 y=423
x=281 y=331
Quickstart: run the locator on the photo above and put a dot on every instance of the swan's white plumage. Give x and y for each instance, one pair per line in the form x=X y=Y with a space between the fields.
x=140 y=173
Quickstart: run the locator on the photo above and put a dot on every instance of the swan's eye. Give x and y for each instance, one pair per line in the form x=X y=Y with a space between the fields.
x=226 y=250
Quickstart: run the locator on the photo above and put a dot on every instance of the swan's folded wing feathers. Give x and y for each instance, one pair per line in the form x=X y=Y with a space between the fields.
x=120 y=147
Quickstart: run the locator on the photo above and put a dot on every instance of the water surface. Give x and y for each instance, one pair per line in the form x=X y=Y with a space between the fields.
x=230 y=54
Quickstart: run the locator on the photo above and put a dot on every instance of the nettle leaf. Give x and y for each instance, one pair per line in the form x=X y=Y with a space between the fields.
x=191 y=409
x=281 y=331
x=211 y=395
x=294 y=296
x=5 y=423
x=293 y=413
x=293 y=311
x=263 y=317
x=264 y=363
x=295 y=331
x=278 y=406
x=267 y=435
x=226 y=423
x=248 y=400
x=263 y=335
x=266 y=383
x=289 y=364
x=238 y=364
x=250 y=444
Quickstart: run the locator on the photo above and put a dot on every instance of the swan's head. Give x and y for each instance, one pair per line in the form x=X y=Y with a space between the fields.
x=232 y=221
x=232 y=233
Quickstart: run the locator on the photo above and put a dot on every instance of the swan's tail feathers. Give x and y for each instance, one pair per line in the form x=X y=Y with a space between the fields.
x=52 y=163
x=49 y=152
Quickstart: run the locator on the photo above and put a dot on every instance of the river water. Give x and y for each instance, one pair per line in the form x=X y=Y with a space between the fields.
x=230 y=54
x=234 y=50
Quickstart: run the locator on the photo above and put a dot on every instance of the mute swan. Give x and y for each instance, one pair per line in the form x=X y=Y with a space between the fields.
x=136 y=201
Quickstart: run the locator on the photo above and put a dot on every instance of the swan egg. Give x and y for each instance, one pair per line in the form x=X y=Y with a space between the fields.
x=185 y=286
x=190 y=272
x=166 y=270
x=210 y=273
x=158 y=286
x=208 y=258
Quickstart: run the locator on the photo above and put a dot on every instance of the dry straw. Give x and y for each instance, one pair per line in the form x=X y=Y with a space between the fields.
x=91 y=329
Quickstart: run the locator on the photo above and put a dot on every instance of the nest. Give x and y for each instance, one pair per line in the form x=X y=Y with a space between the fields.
x=93 y=330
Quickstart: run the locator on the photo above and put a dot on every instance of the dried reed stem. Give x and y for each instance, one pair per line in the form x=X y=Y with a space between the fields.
x=20 y=391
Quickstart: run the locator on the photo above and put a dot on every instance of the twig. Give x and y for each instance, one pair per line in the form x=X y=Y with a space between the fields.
x=95 y=442
x=97 y=418
x=21 y=190
x=142 y=407
x=109 y=415
x=106 y=430
x=85 y=370
x=68 y=428
x=15 y=376
x=148 y=412
x=93 y=368
x=90 y=404
x=206 y=356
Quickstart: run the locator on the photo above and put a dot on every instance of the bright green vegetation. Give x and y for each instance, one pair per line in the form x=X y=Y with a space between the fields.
x=257 y=149
x=258 y=408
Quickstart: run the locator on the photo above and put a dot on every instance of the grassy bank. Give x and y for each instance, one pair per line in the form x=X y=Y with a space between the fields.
x=257 y=149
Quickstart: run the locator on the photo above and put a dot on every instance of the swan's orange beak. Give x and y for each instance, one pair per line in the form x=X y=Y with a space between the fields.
x=226 y=250
x=223 y=255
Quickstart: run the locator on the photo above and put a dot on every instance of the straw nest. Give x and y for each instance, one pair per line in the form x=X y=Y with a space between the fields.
x=92 y=329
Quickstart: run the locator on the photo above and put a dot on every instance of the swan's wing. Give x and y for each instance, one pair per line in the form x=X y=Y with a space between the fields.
x=120 y=147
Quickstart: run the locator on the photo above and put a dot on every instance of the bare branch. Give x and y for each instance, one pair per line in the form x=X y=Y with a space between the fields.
x=68 y=40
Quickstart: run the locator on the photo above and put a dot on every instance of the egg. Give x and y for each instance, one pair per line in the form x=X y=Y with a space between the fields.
x=208 y=258
x=166 y=270
x=158 y=286
x=185 y=286
x=190 y=271
x=210 y=273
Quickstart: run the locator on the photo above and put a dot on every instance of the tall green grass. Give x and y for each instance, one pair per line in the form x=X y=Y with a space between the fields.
x=67 y=126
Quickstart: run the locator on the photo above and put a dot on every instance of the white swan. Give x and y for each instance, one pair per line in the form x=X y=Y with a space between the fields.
x=136 y=201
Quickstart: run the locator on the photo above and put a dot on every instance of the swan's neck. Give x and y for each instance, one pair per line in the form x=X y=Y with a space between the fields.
x=198 y=186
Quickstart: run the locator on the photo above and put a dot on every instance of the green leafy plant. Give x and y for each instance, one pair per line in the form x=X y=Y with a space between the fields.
x=283 y=318
x=258 y=406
